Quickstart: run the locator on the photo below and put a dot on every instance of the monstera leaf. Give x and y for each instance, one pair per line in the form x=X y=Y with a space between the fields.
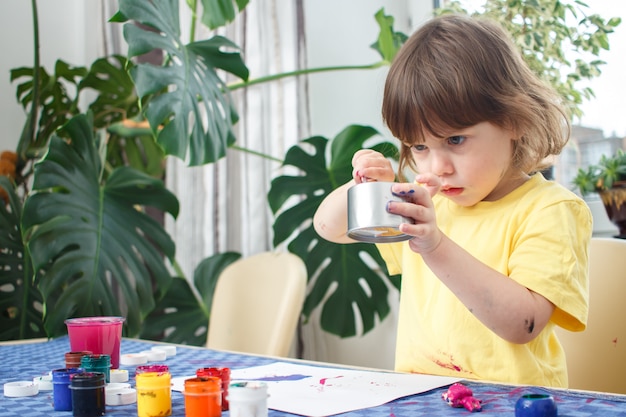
x=344 y=276
x=20 y=301
x=52 y=101
x=116 y=99
x=182 y=316
x=132 y=144
x=217 y=13
x=190 y=112
x=89 y=240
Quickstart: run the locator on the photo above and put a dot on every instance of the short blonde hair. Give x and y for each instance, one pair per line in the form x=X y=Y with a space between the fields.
x=457 y=71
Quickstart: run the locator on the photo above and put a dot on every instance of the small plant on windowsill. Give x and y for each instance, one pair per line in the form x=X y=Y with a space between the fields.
x=608 y=179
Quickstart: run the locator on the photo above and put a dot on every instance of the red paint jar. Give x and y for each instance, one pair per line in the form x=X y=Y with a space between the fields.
x=224 y=375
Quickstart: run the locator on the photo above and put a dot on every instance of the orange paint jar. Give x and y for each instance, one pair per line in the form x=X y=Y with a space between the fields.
x=224 y=375
x=203 y=397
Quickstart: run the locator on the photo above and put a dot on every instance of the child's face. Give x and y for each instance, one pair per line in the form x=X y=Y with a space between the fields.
x=474 y=164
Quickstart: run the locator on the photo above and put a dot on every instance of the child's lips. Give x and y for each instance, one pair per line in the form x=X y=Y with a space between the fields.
x=451 y=191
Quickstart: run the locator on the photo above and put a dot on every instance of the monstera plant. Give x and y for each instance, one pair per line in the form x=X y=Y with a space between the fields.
x=78 y=238
x=347 y=264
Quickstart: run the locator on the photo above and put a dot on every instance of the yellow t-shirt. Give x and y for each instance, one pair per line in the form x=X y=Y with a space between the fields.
x=537 y=235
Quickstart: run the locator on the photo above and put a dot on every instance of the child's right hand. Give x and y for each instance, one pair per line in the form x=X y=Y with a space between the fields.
x=369 y=165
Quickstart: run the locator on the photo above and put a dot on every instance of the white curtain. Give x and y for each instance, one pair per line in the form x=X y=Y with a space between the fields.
x=224 y=205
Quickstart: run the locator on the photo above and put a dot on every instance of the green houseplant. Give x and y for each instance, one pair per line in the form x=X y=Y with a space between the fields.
x=40 y=266
x=608 y=179
x=61 y=263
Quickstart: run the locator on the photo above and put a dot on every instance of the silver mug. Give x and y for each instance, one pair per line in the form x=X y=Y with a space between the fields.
x=368 y=218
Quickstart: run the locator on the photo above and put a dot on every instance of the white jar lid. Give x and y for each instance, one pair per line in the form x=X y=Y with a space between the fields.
x=169 y=349
x=155 y=355
x=118 y=375
x=133 y=359
x=20 y=389
x=120 y=396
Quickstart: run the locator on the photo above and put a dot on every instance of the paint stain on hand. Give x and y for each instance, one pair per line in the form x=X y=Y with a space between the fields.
x=529 y=325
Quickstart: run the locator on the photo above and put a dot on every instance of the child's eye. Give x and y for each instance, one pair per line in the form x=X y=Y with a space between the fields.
x=456 y=140
x=419 y=148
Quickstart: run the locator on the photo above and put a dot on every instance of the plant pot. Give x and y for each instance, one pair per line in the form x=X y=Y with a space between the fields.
x=614 y=201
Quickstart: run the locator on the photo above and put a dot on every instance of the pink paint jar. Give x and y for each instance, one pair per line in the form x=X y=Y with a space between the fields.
x=100 y=335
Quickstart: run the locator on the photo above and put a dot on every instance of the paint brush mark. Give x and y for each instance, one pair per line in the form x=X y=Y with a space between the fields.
x=323 y=380
x=529 y=325
x=278 y=378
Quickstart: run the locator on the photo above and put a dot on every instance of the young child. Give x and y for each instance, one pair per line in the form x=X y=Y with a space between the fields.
x=499 y=254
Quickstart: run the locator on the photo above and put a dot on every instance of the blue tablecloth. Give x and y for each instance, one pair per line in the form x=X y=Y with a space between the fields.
x=23 y=362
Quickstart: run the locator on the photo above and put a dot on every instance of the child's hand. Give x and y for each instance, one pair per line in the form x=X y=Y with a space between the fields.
x=369 y=165
x=419 y=207
x=430 y=181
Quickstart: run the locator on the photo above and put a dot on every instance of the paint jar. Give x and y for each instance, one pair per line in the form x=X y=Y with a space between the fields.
x=536 y=405
x=203 y=397
x=154 y=394
x=72 y=359
x=224 y=375
x=88 y=397
x=142 y=369
x=101 y=335
x=248 y=399
x=61 y=394
x=97 y=363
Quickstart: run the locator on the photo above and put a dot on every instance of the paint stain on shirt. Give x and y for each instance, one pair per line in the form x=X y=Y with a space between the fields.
x=449 y=365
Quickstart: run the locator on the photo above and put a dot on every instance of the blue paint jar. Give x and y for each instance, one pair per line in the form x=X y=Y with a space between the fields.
x=535 y=405
x=61 y=394
x=88 y=397
x=97 y=363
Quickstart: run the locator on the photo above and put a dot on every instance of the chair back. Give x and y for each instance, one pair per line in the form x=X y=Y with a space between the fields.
x=596 y=357
x=257 y=304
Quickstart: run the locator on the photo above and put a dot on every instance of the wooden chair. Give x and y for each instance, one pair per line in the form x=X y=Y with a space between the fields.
x=257 y=304
x=596 y=357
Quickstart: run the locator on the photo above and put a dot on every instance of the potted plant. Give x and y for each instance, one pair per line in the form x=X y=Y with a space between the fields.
x=608 y=179
x=76 y=237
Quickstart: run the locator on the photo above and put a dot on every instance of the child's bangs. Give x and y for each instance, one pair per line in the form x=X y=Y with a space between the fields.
x=441 y=116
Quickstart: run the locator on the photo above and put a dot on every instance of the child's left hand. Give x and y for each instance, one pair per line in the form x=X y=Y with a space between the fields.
x=418 y=206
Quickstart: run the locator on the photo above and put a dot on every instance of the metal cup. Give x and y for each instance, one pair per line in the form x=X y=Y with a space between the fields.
x=368 y=218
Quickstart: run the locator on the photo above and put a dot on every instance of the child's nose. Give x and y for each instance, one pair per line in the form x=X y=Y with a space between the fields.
x=440 y=164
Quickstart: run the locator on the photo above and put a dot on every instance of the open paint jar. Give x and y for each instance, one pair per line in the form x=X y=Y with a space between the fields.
x=101 y=335
x=368 y=218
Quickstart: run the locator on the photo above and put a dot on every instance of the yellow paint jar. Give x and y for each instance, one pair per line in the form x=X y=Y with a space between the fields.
x=154 y=394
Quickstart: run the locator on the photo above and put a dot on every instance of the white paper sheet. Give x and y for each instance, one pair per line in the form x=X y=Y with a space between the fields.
x=323 y=391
